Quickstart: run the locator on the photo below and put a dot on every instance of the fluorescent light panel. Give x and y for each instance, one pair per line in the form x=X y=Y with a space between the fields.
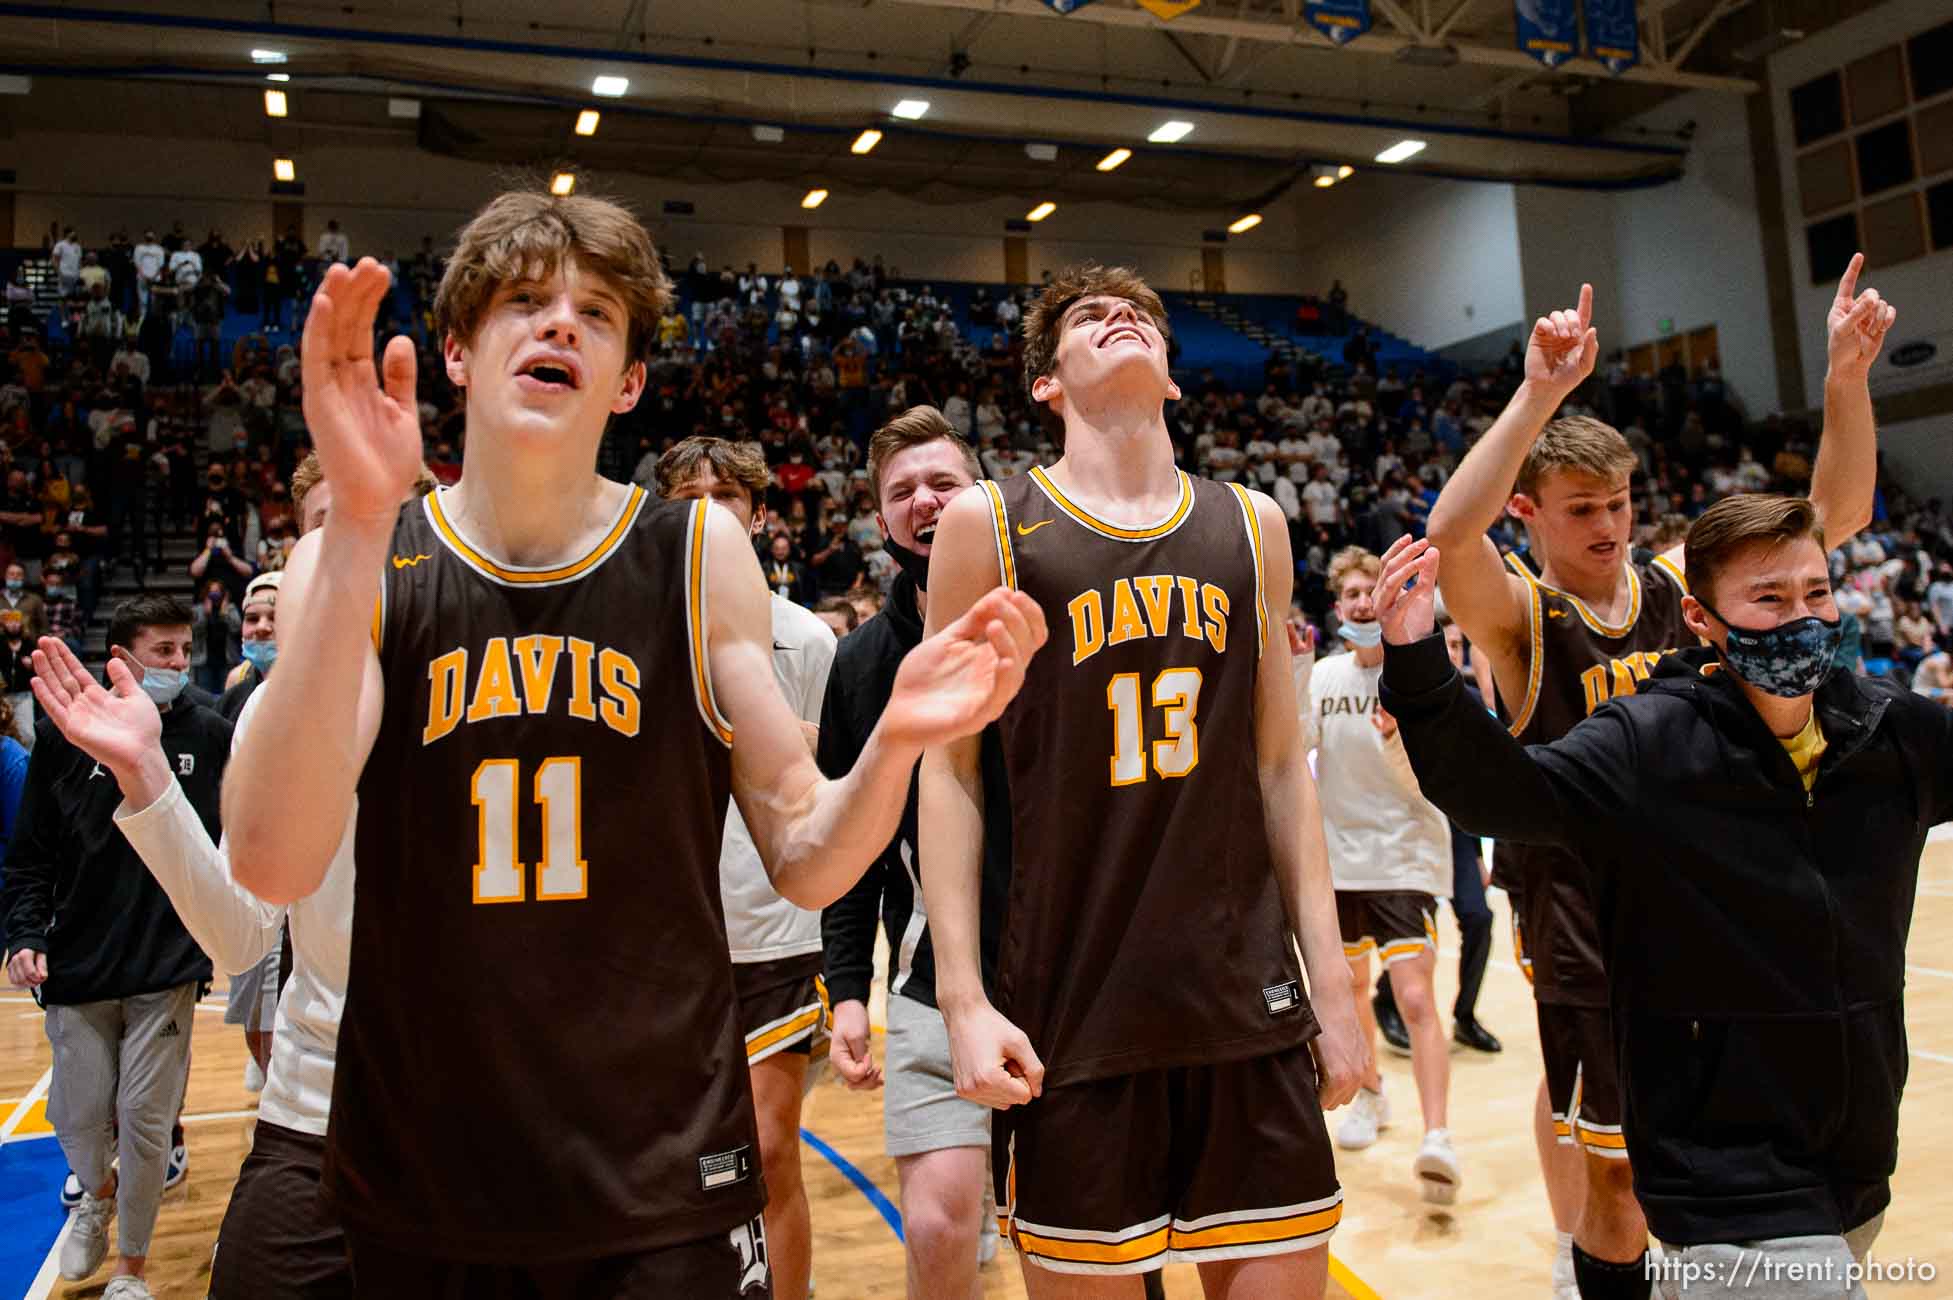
x=1403 y=149
x=814 y=199
x=610 y=87
x=267 y=56
x=279 y=77
x=274 y=103
x=1041 y=211
x=866 y=141
x=563 y=184
x=1171 y=132
x=1245 y=224
x=586 y=121
x=283 y=169
x=1114 y=159
x=909 y=110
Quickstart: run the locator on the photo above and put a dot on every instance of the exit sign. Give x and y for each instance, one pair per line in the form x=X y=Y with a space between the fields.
x=1666 y=325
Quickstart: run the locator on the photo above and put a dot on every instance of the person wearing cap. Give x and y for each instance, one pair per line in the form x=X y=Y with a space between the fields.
x=259 y=635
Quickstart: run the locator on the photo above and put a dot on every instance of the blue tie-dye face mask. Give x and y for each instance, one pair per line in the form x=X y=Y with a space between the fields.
x=1788 y=660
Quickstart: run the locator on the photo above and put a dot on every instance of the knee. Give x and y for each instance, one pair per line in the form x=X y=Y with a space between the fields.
x=936 y=1221
x=1611 y=1178
x=1414 y=999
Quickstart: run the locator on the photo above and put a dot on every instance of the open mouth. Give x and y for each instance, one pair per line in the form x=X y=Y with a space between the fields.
x=926 y=534
x=1126 y=332
x=549 y=374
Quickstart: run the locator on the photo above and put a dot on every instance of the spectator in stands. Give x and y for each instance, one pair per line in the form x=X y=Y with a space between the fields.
x=839 y=614
x=786 y=574
x=1338 y=308
x=219 y=561
x=207 y=309
x=16 y=674
x=258 y=645
x=1935 y=677
x=958 y=411
x=1004 y=460
x=333 y=245
x=20 y=520
x=1939 y=600
x=67 y=263
x=20 y=302
x=1915 y=636
x=93 y=273
x=216 y=646
x=837 y=564
x=1322 y=500
x=13 y=775
x=16 y=596
x=150 y=262
x=64 y=621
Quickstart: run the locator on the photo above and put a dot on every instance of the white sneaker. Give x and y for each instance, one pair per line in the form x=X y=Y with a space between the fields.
x=1436 y=1168
x=127 y=1288
x=87 y=1242
x=1367 y=1114
x=253 y=1075
x=1564 y=1285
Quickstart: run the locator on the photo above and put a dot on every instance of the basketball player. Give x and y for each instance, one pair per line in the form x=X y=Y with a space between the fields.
x=1150 y=1024
x=940 y=1142
x=534 y=679
x=1589 y=626
x=1390 y=858
x=776 y=947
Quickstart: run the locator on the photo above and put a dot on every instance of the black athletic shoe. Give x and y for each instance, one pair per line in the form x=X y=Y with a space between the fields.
x=1391 y=1026
x=1469 y=1033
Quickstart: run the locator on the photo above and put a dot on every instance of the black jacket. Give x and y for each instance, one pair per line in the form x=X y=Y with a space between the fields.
x=858 y=688
x=1754 y=935
x=76 y=890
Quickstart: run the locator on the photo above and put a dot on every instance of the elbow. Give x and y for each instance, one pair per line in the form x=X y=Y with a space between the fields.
x=268 y=866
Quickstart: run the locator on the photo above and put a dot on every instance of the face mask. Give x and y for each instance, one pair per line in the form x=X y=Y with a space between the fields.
x=14 y=586
x=1365 y=635
x=916 y=566
x=57 y=593
x=1789 y=660
x=163 y=685
x=261 y=655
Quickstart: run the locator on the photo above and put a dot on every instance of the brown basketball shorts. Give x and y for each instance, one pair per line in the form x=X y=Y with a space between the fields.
x=1131 y=1173
x=1583 y=1081
x=280 y=1238
x=782 y=1006
x=1399 y=923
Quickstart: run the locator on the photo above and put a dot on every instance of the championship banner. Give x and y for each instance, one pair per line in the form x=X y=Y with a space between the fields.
x=1546 y=30
x=1613 y=37
x=1342 y=21
x=1168 y=10
x=1066 y=6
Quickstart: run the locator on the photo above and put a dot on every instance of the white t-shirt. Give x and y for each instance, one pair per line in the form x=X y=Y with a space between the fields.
x=957 y=411
x=186 y=267
x=1296 y=453
x=761 y=925
x=237 y=930
x=1382 y=832
x=67 y=258
x=1323 y=500
x=149 y=260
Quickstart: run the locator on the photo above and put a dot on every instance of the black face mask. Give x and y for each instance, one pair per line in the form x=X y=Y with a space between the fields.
x=916 y=566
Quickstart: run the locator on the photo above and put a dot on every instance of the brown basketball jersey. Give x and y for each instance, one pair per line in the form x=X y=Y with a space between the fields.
x=540 y=1058
x=1577 y=662
x=1145 y=927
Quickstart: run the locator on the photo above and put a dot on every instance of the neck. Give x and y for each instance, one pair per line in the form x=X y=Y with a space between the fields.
x=1367 y=656
x=529 y=507
x=1118 y=451
x=1601 y=589
x=1784 y=717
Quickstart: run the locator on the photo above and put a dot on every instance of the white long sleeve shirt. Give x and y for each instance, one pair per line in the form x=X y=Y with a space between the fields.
x=237 y=929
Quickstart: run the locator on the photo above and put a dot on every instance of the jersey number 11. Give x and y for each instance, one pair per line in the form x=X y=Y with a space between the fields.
x=498 y=870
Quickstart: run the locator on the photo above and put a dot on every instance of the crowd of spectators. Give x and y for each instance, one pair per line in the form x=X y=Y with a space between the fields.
x=806 y=365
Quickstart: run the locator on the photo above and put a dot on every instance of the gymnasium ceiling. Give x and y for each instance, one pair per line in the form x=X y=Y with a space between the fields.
x=1269 y=98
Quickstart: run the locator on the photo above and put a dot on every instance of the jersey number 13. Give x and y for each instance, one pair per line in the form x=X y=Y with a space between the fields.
x=1176 y=691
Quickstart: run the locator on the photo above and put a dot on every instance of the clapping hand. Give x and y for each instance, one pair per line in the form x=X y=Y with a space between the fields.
x=1406 y=594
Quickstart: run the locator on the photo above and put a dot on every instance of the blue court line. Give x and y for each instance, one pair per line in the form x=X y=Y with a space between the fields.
x=863 y=1183
x=31 y=1170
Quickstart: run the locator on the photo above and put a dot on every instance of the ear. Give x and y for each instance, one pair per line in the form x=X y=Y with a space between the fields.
x=1697 y=619
x=631 y=388
x=1045 y=388
x=1522 y=507
x=455 y=356
x=1172 y=391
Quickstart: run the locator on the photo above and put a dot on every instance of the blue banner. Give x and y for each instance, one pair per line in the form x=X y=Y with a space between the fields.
x=1342 y=21
x=1613 y=38
x=1546 y=30
x=1066 y=6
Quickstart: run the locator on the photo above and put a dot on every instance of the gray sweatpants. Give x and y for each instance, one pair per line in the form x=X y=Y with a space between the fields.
x=1782 y=1268
x=119 y=1072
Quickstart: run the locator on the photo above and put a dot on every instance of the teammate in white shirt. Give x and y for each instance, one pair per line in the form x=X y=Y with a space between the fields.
x=776 y=946
x=1390 y=858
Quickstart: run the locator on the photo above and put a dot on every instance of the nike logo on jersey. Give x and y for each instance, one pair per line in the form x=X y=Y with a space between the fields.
x=1025 y=530
x=1551 y=613
x=402 y=562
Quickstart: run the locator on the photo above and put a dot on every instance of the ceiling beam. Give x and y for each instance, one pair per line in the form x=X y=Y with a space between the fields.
x=1723 y=9
x=1282 y=33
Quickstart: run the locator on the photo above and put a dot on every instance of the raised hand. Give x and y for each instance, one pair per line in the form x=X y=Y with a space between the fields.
x=1563 y=346
x=1406 y=594
x=368 y=438
x=116 y=727
x=959 y=680
x=1301 y=637
x=1857 y=325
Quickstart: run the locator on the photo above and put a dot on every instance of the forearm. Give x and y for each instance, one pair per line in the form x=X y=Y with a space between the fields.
x=230 y=925
x=1846 y=474
x=949 y=818
x=842 y=825
x=1475 y=495
x=307 y=738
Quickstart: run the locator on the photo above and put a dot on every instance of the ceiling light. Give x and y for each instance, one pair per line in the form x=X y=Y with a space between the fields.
x=1113 y=159
x=1041 y=211
x=768 y=134
x=1403 y=149
x=282 y=169
x=562 y=184
x=1323 y=182
x=1171 y=132
x=814 y=199
x=910 y=110
x=1344 y=172
x=1041 y=151
x=610 y=87
x=267 y=56
x=280 y=77
x=586 y=121
x=405 y=109
x=1245 y=224
x=866 y=141
x=274 y=103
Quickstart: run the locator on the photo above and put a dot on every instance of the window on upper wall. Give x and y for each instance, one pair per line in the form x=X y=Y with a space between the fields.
x=1874 y=155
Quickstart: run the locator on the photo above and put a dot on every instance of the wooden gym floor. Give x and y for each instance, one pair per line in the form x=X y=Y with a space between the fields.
x=1496 y=1242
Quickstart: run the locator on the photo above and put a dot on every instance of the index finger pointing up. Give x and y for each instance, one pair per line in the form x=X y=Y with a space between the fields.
x=1586 y=306
x=1848 y=284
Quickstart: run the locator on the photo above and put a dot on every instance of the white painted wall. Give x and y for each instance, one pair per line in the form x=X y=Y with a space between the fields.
x=1920 y=288
x=1567 y=237
x=1919 y=453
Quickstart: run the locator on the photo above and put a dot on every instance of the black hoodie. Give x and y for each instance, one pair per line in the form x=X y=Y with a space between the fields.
x=858 y=687
x=1754 y=934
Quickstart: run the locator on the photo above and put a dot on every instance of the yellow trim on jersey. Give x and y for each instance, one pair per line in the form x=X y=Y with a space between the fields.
x=1600 y=1141
x=1258 y=1233
x=1114 y=531
x=1000 y=523
x=695 y=623
x=1254 y=545
x=1591 y=619
x=1536 y=658
x=1131 y=1251
x=1674 y=571
x=529 y=577
x=803 y=1021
